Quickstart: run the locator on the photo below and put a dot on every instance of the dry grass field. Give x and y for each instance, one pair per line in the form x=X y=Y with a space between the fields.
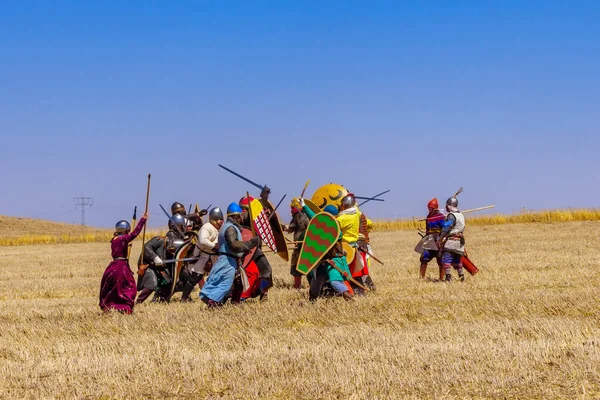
x=527 y=326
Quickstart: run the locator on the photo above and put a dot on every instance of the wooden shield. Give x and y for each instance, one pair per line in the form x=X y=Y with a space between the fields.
x=468 y=264
x=247 y=235
x=261 y=225
x=322 y=233
x=185 y=250
x=314 y=208
x=280 y=242
x=350 y=252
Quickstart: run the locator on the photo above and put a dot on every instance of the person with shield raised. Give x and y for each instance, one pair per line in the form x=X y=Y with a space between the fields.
x=433 y=229
x=117 y=287
x=231 y=252
x=333 y=269
x=261 y=283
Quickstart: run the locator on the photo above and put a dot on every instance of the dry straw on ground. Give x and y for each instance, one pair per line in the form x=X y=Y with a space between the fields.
x=527 y=326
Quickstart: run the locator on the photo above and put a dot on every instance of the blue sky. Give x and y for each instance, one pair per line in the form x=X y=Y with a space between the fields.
x=500 y=97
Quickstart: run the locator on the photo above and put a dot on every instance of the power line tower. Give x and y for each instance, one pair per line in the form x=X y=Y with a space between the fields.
x=83 y=202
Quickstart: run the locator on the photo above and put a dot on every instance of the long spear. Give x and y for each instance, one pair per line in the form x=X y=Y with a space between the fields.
x=241 y=177
x=374 y=198
x=142 y=267
x=133 y=221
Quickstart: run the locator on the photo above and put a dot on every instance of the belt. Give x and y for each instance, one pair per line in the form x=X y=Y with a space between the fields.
x=120 y=259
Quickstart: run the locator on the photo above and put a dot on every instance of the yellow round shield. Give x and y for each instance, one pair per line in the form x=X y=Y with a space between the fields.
x=330 y=194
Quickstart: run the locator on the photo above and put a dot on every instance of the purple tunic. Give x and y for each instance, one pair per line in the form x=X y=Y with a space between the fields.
x=117 y=288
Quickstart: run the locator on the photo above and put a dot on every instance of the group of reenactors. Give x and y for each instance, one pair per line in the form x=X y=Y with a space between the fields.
x=224 y=257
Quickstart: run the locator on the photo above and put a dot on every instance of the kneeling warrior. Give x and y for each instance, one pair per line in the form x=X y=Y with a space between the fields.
x=433 y=228
x=452 y=241
x=117 y=288
x=206 y=250
x=157 y=276
x=333 y=269
x=231 y=252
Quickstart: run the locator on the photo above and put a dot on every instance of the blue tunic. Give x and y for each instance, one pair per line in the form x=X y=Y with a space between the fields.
x=220 y=281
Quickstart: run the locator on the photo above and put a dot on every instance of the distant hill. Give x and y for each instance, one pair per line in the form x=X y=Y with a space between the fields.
x=17 y=227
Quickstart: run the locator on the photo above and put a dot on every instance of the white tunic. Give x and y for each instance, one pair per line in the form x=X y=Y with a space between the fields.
x=208 y=238
x=454 y=244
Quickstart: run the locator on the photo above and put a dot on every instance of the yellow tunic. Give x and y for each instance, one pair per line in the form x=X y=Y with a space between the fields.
x=350 y=223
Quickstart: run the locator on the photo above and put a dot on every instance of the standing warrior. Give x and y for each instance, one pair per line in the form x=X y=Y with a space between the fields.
x=231 y=252
x=433 y=228
x=206 y=249
x=452 y=240
x=297 y=227
x=349 y=219
x=117 y=288
x=265 y=271
x=264 y=200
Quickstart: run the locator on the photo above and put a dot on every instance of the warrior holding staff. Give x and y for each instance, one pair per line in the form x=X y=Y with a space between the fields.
x=117 y=288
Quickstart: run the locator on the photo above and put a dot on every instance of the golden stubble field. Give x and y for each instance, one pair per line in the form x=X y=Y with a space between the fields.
x=527 y=326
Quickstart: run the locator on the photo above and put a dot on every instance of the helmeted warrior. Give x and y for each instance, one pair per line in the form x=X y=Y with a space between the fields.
x=231 y=252
x=178 y=208
x=452 y=239
x=297 y=228
x=349 y=218
x=206 y=249
x=433 y=229
x=264 y=200
x=261 y=283
x=158 y=276
x=117 y=287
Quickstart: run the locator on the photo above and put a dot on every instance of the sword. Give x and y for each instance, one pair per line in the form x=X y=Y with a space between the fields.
x=364 y=250
x=373 y=198
x=242 y=177
x=277 y=206
x=367 y=198
x=181 y=260
x=171 y=219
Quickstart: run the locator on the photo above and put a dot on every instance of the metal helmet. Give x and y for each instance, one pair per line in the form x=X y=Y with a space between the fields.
x=234 y=209
x=179 y=220
x=265 y=190
x=122 y=226
x=177 y=208
x=215 y=214
x=348 y=201
x=452 y=201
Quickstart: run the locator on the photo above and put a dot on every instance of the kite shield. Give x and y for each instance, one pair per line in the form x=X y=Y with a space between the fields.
x=322 y=234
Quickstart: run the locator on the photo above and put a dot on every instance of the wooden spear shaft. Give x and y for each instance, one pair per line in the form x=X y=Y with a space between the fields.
x=345 y=274
x=146 y=224
x=477 y=209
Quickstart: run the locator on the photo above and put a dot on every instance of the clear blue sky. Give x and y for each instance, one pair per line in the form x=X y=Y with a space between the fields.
x=501 y=97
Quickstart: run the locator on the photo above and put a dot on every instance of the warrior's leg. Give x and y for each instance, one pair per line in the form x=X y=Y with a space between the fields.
x=266 y=275
x=317 y=282
x=368 y=281
x=144 y=294
x=447 y=261
x=340 y=288
x=297 y=282
x=192 y=281
x=457 y=264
